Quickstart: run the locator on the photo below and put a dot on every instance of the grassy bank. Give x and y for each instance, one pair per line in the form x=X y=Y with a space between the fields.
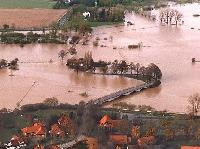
x=27 y=3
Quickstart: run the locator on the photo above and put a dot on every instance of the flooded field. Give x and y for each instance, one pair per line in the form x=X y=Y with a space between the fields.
x=169 y=47
x=52 y=80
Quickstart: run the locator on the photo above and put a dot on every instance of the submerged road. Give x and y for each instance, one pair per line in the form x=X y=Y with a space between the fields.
x=120 y=93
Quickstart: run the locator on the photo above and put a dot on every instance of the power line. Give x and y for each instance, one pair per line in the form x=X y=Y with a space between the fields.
x=19 y=102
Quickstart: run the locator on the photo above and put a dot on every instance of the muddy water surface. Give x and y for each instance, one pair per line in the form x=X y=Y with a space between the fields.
x=171 y=48
x=52 y=79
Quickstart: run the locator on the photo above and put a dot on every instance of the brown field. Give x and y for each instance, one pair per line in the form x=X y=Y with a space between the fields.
x=29 y=18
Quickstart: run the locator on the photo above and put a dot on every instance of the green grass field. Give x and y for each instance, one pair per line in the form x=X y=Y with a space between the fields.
x=27 y=3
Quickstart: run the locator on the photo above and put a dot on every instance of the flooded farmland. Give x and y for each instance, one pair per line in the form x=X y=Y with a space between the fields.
x=169 y=47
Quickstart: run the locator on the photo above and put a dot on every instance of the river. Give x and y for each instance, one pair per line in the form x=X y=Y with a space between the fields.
x=169 y=47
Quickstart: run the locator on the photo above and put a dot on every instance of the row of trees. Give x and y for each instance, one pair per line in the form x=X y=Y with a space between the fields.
x=91 y=3
x=30 y=37
x=87 y=63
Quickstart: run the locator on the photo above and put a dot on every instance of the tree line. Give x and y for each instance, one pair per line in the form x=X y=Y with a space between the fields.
x=87 y=63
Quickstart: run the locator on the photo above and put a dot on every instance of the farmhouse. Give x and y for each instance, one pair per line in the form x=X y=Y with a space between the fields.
x=37 y=130
x=107 y=122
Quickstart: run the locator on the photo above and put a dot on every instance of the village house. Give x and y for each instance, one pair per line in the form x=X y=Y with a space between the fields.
x=108 y=123
x=37 y=130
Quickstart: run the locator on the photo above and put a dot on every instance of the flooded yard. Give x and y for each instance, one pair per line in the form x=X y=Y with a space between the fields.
x=169 y=47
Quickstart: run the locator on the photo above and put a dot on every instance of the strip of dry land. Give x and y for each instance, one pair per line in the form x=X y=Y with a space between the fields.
x=29 y=18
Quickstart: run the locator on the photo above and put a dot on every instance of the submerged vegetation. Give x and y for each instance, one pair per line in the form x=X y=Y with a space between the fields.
x=13 y=65
x=87 y=64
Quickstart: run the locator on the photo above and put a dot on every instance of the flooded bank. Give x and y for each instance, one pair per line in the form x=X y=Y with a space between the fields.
x=169 y=47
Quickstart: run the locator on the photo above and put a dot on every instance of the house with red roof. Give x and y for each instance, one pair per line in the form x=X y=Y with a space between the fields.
x=107 y=122
x=37 y=130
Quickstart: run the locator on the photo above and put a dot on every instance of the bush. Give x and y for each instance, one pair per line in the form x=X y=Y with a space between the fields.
x=34 y=107
x=96 y=43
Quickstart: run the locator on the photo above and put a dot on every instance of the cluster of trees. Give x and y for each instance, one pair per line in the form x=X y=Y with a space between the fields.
x=103 y=3
x=104 y=14
x=78 y=24
x=11 y=65
x=30 y=37
x=170 y=16
x=91 y=3
x=87 y=63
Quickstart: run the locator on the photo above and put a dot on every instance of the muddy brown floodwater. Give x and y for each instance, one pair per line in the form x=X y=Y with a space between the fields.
x=169 y=47
x=52 y=79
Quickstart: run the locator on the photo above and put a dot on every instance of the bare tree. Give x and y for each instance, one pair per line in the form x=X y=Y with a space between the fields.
x=194 y=104
x=62 y=54
x=178 y=17
x=170 y=16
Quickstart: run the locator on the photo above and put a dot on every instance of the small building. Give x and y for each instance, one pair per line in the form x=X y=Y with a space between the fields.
x=107 y=122
x=37 y=130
